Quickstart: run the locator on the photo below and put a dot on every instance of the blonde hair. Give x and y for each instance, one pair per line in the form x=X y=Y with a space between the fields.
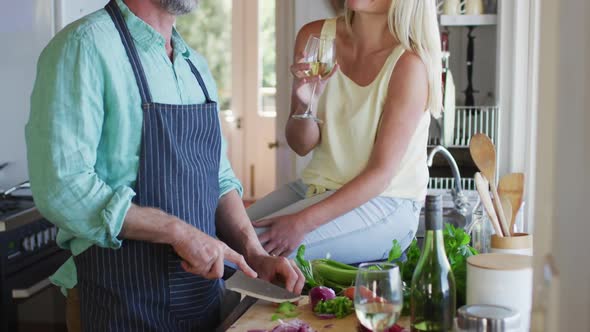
x=414 y=24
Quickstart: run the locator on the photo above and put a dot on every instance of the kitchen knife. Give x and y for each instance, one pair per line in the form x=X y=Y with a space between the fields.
x=258 y=288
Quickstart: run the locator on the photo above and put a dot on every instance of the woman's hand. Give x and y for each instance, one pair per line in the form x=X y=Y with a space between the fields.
x=304 y=84
x=284 y=234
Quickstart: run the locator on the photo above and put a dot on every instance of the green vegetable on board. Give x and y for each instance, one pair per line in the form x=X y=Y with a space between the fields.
x=285 y=310
x=340 y=306
x=305 y=267
x=325 y=272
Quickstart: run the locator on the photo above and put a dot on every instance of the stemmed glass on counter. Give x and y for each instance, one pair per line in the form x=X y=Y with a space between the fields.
x=320 y=54
x=378 y=298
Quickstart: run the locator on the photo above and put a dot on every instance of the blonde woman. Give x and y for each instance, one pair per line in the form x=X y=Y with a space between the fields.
x=367 y=178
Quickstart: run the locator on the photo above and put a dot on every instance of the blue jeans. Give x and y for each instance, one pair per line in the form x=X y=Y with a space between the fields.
x=361 y=235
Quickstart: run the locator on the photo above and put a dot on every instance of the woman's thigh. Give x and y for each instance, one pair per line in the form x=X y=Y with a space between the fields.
x=277 y=200
x=294 y=208
x=366 y=233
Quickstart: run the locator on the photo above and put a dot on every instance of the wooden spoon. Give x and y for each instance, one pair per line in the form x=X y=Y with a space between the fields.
x=482 y=186
x=483 y=154
x=507 y=208
x=511 y=186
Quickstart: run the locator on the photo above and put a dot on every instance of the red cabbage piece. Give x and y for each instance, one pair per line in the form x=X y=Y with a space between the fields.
x=295 y=325
x=320 y=293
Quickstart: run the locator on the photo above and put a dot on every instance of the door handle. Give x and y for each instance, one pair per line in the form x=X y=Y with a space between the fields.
x=31 y=291
x=273 y=145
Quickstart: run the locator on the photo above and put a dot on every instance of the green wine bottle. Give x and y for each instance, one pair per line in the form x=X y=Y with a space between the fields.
x=433 y=298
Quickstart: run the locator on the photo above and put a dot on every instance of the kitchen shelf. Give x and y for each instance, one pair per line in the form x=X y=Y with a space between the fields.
x=468 y=20
x=465 y=121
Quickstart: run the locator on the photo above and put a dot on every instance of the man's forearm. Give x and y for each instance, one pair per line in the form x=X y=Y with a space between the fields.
x=151 y=225
x=234 y=227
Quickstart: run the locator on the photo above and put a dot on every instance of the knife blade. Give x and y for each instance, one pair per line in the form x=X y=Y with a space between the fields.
x=258 y=288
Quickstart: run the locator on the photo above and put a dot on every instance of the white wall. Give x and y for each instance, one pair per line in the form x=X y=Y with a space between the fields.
x=563 y=157
x=571 y=226
x=25 y=28
x=311 y=10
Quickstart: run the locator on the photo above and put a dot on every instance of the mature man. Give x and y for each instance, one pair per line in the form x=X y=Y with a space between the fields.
x=126 y=157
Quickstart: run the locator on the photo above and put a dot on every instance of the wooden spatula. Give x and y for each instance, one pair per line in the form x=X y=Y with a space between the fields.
x=511 y=186
x=507 y=208
x=482 y=186
x=483 y=153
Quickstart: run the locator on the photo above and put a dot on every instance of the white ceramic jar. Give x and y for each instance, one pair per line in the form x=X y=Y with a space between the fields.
x=504 y=280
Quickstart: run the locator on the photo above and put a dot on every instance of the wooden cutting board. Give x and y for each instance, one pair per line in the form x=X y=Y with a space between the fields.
x=259 y=315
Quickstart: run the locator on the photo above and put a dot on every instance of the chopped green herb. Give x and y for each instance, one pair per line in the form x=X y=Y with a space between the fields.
x=285 y=310
x=340 y=306
x=396 y=251
x=286 y=307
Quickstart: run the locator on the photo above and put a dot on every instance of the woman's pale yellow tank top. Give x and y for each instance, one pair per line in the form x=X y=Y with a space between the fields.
x=352 y=115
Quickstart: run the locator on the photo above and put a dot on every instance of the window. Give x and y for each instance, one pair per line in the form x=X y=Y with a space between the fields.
x=266 y=12
x=208 y=31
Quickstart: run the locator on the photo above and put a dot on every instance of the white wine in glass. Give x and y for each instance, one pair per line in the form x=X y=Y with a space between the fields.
x=319 y=68
x=378 y=316
x=378 y=297
x=320 y=54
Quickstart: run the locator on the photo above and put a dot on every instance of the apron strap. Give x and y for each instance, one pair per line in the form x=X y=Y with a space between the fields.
x=113 y=9
x=200 y=79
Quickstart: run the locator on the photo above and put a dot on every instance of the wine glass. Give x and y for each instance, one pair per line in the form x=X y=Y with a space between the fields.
x=320 y=54
x=378 y=297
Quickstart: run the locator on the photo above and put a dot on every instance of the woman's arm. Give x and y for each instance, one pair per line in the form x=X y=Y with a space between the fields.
x=302 y=135
x=403 y=110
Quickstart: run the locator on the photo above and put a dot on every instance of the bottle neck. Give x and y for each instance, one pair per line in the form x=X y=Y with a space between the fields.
x=434 y=241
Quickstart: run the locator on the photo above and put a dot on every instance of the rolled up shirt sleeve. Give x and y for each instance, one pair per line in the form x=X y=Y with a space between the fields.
x=63 y=134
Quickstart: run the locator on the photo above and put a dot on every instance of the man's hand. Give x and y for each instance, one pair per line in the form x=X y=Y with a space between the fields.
x=203 y=255
x=278 y=269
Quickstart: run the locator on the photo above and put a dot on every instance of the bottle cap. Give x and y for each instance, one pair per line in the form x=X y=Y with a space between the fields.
x=433 y=212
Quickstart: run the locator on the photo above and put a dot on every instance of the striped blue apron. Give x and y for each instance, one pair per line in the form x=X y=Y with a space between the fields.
x=141 y=286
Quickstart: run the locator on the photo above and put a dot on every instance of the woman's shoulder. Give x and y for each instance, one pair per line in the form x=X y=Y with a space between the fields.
x=409 y=66
x=315 y=28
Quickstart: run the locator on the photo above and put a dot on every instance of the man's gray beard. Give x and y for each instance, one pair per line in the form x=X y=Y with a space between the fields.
x=177 y=7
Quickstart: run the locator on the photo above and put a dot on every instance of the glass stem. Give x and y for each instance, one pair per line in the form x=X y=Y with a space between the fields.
x=310 y=106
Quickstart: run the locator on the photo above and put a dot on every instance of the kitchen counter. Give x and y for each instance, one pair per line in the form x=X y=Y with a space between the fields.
x=259 y=315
